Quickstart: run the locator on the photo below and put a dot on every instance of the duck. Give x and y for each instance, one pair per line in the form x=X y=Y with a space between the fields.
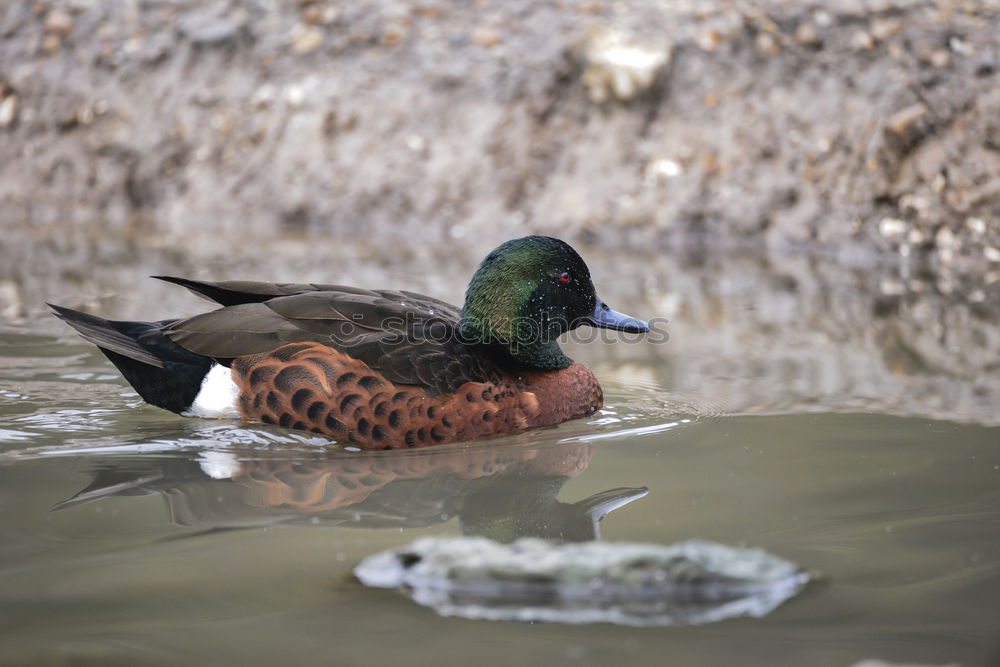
x=378 y=369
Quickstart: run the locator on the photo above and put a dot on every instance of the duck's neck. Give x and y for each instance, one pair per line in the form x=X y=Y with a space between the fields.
x=496 y=315
x=503 y=344
x=543 y=357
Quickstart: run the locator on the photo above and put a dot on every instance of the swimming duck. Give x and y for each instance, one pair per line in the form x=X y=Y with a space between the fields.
x=381 y=369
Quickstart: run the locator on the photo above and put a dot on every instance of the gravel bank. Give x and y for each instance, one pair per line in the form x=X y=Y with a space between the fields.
x=864 y=128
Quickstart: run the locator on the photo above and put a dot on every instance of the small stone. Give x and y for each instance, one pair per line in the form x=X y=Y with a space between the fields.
x=977 y=225
x=711 y=100
x=620 y=65
x=486 y=37
x=991 y=254
x=312 y=13
x=393 y=35
x=51 y=44
x=264 y=96
x=660 y=170
x=203 y=28
x=945 y=242
x=58 y=22
x=767 y=44
x=940 y=59
x=945 y=238
x=708 y=39
x=329 y=15
x=914 y=202
x=85 y=115
x=891 y=227
x=882 y=29
x=862 y=41
x=306 y=39
x=8 y=111
x=806 y=35
x=891 y=287
x=415 y=143
x=295 y=96
x=132 y=45
x=903 y=120
x=960 y=46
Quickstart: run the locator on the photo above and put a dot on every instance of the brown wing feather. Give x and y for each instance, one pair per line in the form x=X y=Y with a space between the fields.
x=234 y=292
x=408 y=338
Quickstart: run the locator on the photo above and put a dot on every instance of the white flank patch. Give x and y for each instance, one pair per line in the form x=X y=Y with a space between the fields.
x=217 y=396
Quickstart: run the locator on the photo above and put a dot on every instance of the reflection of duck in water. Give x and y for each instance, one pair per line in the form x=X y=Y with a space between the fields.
x=383 y=369
x=501 y=492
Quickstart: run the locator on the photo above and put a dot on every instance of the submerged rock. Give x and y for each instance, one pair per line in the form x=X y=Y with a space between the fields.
x=689 y=583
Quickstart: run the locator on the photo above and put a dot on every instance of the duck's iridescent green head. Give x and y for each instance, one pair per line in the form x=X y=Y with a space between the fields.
x=528 y=292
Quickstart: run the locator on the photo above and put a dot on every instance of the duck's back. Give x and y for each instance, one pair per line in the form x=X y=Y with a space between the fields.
x=409 y=338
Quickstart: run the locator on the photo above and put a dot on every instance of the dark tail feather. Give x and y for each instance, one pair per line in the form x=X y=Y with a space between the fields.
x=107 y=334
x=161 y=371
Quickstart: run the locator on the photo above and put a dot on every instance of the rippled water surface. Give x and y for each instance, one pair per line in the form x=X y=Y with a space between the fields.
x=844 y=438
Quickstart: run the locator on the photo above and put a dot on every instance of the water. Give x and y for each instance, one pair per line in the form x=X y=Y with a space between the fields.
x=812 y=411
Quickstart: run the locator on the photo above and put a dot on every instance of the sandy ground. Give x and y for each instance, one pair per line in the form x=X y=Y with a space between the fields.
x=862 y=128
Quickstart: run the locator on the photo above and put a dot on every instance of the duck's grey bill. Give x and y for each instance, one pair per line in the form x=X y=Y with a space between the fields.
x=605 y=318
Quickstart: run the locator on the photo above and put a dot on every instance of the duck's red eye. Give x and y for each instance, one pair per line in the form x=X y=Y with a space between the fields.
x=564 y=277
